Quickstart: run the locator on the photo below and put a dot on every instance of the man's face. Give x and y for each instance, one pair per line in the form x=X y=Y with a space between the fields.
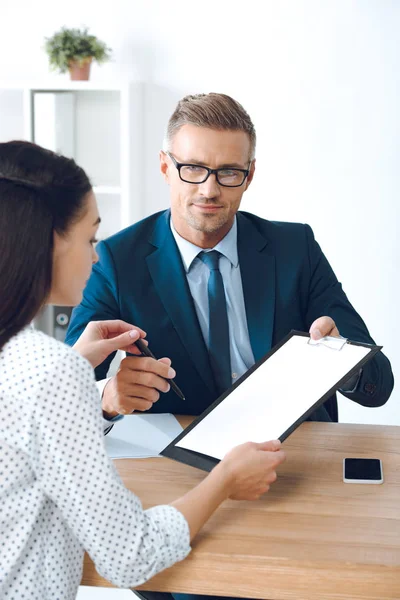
x=206 y=209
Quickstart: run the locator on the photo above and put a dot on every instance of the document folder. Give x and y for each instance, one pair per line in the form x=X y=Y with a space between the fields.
x=272 y=398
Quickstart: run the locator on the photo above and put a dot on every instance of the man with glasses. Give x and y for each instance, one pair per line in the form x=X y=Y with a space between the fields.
x=214 y=288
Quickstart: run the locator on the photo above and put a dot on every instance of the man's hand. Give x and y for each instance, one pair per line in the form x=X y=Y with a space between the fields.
x=322 y=327
x=101 y=338
x=137 y=385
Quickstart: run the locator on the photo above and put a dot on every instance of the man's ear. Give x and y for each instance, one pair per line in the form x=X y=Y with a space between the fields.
x=164 y=165
x=251 y=174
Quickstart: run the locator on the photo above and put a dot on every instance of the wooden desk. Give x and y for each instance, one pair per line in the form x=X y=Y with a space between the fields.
x=312 y=537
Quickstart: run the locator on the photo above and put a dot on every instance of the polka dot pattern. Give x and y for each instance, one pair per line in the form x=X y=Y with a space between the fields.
x=59 y=492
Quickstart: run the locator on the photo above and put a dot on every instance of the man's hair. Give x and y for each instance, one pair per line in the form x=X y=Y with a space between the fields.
x=215 y=111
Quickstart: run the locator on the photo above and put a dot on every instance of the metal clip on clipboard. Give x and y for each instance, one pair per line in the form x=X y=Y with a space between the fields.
x=333 y=343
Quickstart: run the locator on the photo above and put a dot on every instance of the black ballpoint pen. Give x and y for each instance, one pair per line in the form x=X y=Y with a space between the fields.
x=145 y=350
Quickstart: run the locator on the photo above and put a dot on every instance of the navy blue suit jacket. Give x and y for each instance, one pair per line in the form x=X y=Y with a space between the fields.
x=287 y=284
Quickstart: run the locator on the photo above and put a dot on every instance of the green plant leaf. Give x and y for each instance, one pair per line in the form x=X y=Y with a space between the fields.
x=74 y=44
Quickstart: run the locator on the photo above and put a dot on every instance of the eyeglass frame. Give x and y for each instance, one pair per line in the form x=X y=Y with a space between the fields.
x=179 y=165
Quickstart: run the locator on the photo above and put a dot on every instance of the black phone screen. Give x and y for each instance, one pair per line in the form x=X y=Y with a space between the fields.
x=363 y=468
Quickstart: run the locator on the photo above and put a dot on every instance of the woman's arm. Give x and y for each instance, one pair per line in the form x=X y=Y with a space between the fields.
x=244 y=474
x=128 y=545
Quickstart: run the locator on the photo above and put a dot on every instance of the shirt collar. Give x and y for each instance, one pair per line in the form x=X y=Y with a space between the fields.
x=227 y=247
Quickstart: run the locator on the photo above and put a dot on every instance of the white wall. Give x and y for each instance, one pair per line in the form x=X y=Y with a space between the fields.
x=320 y=79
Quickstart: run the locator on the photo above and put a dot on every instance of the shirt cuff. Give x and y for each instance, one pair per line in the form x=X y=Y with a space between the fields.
x=101 y=385
x=109 y=419
x=108 y=422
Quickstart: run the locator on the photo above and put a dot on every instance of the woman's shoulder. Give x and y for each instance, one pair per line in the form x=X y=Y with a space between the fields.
x=43 y=381
x=33 y=354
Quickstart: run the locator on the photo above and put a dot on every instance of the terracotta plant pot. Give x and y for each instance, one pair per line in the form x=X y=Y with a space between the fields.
x=80 y=70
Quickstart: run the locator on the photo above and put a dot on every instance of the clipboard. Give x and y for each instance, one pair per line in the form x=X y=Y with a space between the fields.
x=272 y=398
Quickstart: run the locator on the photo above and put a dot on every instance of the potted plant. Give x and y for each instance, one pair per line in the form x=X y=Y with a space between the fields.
x=74 y=50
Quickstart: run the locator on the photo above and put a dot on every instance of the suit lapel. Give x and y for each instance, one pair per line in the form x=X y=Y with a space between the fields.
x=169 y=278
x=257 y=268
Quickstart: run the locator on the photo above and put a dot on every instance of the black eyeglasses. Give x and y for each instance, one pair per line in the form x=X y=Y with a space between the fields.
x=198 y=174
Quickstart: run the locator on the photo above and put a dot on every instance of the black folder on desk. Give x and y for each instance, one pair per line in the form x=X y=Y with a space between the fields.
x=272 y=398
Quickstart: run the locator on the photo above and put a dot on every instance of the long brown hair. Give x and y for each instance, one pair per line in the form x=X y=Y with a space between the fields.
x=40 y=193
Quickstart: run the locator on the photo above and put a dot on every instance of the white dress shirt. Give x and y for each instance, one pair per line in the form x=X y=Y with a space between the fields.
x=59 y=492
x=198 y=273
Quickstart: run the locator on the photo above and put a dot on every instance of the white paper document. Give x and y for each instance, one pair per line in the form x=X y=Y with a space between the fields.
x=272 y=398
x=141 y=436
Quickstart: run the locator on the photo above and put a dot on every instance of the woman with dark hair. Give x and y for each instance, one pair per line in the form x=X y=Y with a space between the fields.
x=59 y=492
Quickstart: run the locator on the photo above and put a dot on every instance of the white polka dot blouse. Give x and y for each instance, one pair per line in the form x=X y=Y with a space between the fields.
x=59 y=492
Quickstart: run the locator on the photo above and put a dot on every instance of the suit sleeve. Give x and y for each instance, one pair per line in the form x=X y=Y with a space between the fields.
x=327 y=298
x=100 y=302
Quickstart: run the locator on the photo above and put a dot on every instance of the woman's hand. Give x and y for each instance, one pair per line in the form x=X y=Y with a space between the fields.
x=251 y=468
x=101 y=338
x=245 y=473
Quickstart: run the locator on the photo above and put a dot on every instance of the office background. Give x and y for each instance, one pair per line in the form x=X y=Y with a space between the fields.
x=321 y=81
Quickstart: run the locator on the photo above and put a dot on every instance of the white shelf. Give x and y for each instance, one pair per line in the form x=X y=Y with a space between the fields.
x=107 y=131
x=61 y=84
x=104 y=127
x=107 y=189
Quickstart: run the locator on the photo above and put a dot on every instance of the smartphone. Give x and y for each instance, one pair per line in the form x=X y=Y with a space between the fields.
x=362 y=470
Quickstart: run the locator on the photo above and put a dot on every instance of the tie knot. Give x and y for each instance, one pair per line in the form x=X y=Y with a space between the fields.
x=211 y=259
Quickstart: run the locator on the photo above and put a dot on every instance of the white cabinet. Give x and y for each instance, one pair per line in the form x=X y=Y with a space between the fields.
x=101 y=127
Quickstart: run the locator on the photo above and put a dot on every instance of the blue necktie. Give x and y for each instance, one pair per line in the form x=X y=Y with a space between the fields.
x=218 y=341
